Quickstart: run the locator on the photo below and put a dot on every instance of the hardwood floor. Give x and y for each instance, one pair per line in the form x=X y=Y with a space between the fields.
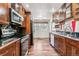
x=42 y=48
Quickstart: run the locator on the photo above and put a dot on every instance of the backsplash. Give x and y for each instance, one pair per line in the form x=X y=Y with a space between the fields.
x=67 y=26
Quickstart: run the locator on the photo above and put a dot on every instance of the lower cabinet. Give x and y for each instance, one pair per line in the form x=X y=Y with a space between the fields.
x=66 y=46
x=11 y=49
x=77 y=52
x=60 y=44
x=72 y=47
x=69 y=49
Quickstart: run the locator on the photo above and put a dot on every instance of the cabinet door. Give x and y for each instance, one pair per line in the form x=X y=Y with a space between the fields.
x=75 y=10
x=4 y=19
x=68 y=49
x=8 y=51
x=12 y=49
x=62 y=47
x=77 y=52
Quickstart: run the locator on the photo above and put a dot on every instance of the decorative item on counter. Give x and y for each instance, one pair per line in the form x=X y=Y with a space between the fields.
x=73 y=24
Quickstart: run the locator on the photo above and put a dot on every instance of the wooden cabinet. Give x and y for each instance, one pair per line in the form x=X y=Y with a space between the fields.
x=66 y=46
x=75 y=10
x=72 y=47
x=11 y=49
x=22 y=10
x=60 y=44
x=72 y=9
x=69 y=49
x=68 y=10
x=4 y=19
x=62 y=47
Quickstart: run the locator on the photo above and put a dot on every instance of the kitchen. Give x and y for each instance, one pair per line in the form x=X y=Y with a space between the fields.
x=25 y=30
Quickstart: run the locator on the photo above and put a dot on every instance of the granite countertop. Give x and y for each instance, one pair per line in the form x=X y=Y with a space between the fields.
x=7 y=40
x=67 y=36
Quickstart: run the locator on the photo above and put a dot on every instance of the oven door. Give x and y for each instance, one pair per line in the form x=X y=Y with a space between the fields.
x=24 y=47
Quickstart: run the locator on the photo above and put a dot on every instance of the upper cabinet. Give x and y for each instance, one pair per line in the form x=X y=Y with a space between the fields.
x=4 y=13
x=72 y=10
x=75 y=10
x=18 y=7
x=60 y=14
x=68 y=10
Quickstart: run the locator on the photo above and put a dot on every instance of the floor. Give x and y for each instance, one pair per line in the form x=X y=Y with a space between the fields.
x=42 y=48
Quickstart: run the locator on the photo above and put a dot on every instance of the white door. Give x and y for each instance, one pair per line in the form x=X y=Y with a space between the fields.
x=40 y=30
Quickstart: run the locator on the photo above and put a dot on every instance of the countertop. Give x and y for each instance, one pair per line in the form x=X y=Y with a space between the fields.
x=7 y=40
x=67 y=36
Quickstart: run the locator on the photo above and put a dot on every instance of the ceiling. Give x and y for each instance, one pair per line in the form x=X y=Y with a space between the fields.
x=41 y=10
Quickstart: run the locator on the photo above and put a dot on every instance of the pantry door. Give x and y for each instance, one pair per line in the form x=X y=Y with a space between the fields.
x=40 y=30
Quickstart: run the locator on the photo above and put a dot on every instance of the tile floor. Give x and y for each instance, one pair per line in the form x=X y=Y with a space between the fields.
x=42 y=47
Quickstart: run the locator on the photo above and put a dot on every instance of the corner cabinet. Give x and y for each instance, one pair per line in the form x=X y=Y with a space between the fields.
x=4 y=19
x=11 y=49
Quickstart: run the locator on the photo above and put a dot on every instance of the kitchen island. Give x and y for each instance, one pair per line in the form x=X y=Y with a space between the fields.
x=66 y=45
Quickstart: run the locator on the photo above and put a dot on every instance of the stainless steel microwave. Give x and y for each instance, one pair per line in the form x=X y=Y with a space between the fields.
x=15 y=17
